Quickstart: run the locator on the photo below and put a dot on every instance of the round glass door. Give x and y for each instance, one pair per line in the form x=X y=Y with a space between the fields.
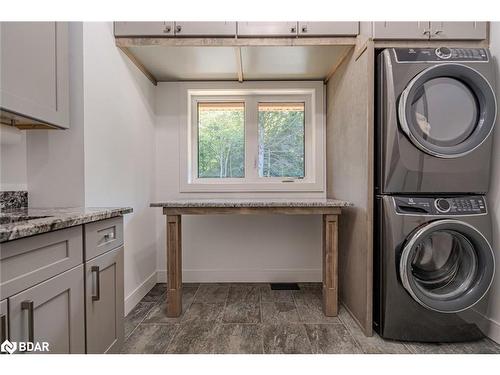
x=448 y=110
x=447 y=266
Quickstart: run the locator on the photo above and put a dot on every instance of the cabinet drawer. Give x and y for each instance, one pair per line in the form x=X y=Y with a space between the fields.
x=102 y=236
x=29 y=261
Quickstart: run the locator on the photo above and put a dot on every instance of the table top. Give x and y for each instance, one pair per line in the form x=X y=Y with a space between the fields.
x=253 y=203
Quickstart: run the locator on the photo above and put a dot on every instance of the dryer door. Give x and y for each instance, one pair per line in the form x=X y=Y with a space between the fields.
x=448 y=110
x=447 y=266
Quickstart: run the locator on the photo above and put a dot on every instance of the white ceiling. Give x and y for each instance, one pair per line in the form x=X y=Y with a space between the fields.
x=188 y=63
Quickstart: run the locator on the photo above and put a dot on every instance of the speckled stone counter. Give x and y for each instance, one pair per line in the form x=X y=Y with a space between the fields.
x=20 y=223
x=252 y=203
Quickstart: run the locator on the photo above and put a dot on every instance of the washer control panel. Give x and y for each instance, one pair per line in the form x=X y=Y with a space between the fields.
x=440 y=54
x=441 y=206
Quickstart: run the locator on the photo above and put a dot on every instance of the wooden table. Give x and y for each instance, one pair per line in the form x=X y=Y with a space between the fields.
x=330 y=209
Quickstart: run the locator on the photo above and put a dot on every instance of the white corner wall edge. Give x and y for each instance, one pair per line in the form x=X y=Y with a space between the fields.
x=488 y=326
x=246 y=275
x=138 y=293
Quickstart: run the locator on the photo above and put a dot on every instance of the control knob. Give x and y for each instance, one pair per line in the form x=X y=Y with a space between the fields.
x=442 y=205
x=443 y=53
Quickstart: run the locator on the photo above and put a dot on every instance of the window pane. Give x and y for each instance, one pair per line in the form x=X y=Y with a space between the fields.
x=221 y=140
x=281 y=140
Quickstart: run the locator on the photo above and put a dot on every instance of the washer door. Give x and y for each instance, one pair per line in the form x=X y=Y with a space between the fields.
x=447 y=266
x=448 y=110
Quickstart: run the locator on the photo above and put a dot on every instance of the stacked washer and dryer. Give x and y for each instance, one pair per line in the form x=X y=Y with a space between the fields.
x=436 y=110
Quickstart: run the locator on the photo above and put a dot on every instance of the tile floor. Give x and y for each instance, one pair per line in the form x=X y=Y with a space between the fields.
x=252 y=318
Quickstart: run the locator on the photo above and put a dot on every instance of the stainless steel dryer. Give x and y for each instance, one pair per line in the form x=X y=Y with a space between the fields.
x=436 y=109
x=434 y=261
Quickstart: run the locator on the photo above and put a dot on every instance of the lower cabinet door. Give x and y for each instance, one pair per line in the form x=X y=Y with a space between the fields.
x=104 y=302
x=4 y=321
x=51 y=312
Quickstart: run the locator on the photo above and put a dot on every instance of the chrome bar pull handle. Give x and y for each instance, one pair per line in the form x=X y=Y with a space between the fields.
x=29 y=305
x=97 y=296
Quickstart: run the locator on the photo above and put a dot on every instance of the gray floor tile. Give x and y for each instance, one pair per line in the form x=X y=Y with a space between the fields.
x=156 y=293
x=484 y=346
x=269 y=295
x=244 y=293
x=158 y=313
x=242 y=312
x=194 y=338
x=136 y=316
x=331 y=339
x=204 y=312
x=279 y=312
x=150 y=339
x=285 y=339
x=238 y=339
x=212 y=293
x=310 y=308
x=317 y=286
x=374 y=344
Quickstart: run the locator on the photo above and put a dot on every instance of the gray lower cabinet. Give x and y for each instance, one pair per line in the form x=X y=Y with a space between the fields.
x=307 y=28
x=53 y=312
x=34 y=65
x=104 y=302
x=161 y=28
x=4 y=321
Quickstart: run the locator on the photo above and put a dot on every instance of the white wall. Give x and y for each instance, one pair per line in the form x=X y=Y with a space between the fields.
x=119 y=149
x=488 y=311
x=229 y=248
x=12 y=159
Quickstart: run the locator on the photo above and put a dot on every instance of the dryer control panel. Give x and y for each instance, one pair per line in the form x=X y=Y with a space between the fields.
x=440 y=54
x=440 y=206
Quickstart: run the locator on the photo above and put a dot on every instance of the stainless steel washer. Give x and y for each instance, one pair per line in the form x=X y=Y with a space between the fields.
x=434 y=260
x=436 y=110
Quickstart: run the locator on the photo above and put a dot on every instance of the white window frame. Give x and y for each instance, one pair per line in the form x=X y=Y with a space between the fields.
x=310 y=93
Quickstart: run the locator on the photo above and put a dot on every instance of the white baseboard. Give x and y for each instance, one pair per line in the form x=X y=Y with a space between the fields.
x=245 y=275
x=489 y=327
x=135 y=297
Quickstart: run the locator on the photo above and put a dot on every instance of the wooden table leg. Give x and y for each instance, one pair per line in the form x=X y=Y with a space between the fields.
x=330 y=265
x=174 y=266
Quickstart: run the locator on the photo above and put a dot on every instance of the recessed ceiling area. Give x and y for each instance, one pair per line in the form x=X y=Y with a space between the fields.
x=210 y=63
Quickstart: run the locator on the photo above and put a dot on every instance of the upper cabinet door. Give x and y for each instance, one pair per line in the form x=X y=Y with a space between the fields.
x=328 y=28
x=161 y=28
x=205 y=28
x=401 y=30
x=254 y=29
x=458 y=30
x=34 y=61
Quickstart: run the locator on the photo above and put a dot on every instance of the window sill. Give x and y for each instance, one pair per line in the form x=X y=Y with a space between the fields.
x=263 y=187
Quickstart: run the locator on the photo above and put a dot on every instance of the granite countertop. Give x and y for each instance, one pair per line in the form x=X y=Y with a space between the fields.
x=241 y=203
x=24 y=222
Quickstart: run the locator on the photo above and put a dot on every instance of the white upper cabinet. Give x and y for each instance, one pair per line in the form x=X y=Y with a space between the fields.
x=205 y=28
x=34 y=71
x=458 y=30
x=426 y=30
x=161 y=28
x=401 y=30
x=307 y=28
x=253 y=29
